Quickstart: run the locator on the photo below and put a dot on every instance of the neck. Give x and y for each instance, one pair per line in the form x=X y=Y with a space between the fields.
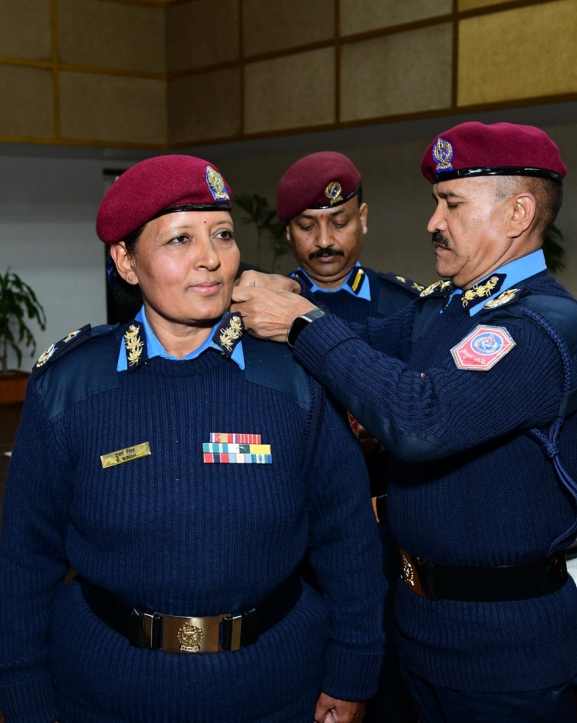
x=178 y=339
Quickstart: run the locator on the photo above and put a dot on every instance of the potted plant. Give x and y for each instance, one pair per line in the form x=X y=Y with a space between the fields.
x=259 y=212
x=18 y=304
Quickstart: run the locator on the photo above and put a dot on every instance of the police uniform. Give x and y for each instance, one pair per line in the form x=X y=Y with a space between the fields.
x=184 y=493
x=327 y=180
x=477 y=404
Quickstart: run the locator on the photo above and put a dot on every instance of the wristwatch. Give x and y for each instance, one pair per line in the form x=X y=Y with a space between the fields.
x=300 y=322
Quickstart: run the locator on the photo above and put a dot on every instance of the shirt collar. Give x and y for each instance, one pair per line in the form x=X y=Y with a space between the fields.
x=356 y=283
x=137 y=347
x=503 y=278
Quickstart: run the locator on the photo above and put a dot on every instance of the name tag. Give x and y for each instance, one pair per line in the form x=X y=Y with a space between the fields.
x=125 y=455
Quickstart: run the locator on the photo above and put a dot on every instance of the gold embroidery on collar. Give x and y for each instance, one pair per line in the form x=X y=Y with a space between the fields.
x=501 y=299
x=479 y=291
x=133 y=344
x=231 y=333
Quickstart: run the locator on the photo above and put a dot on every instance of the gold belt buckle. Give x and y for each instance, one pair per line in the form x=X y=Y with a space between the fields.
x=197 y=635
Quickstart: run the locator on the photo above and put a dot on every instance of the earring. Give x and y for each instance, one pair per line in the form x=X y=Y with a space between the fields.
x=129 y=277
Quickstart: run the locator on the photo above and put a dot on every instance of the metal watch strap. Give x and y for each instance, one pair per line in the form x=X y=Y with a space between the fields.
x=299 y=324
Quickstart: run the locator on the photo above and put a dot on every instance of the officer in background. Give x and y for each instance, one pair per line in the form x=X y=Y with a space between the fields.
x=474 y=391
x=320 y=198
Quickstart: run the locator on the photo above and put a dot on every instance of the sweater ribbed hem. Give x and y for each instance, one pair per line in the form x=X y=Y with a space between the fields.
x=350 y=675
x=29 y=702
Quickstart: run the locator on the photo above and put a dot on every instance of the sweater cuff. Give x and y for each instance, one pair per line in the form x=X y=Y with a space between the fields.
x=318 y=338
x=351 y=675
x=29 y=702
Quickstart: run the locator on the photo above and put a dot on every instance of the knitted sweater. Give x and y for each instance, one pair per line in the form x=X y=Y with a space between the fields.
x=466 y=485
x=170 y=533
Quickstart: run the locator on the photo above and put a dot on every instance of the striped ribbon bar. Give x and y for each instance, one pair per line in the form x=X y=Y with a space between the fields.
x=228 y=438
x=213 y=447
x=215 y=458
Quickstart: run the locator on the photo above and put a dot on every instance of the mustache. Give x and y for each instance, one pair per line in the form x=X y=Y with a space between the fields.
x=441 y=240
x=319 y=253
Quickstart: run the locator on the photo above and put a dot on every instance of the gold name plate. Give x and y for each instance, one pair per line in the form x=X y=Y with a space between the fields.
x=125 y=455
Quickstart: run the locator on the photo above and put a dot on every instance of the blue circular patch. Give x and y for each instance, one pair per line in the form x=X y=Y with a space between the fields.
x=487 y=343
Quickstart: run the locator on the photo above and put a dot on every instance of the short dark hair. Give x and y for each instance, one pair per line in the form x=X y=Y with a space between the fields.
x=548 y=196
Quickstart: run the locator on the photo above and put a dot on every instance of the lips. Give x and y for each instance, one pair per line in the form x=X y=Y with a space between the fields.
x=207 y=288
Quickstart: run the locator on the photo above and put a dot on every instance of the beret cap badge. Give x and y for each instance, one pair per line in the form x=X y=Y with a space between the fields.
x=333 y=192
x=443 y=155
x=216 y=185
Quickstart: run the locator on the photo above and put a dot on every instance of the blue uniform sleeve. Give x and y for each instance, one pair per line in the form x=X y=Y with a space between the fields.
x=32 y=564
x=346 y=555
x=431 y=413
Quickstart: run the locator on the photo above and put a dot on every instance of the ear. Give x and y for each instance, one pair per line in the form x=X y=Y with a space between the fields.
x=523 y=211
x=124 y=263
x=363 y=213
x=288 y=233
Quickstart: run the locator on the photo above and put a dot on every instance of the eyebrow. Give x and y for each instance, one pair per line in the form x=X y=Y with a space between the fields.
x=328 y=212
x=446 y=194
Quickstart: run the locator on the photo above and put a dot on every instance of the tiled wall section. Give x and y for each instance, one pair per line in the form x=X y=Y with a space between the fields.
x=537 y=43
x=202 y=32
x=204 y=106
x=401 y=73
x=269 y=26
x=27 y=108
x=295 y=91
x=358 y=16
x=103 y=107
x=126 y=37
x=25 y=29
x=163 y=74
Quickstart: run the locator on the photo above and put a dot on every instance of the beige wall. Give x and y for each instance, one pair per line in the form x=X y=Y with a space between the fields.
x=169 y=74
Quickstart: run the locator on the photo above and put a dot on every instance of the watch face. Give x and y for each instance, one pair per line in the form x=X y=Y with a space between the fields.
x=296 y=327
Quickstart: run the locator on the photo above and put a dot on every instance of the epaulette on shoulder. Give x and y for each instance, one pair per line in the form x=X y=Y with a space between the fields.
x=408 y=284
x=70 y=341
x=507 y=298
x=437 y=290
x=301 y=278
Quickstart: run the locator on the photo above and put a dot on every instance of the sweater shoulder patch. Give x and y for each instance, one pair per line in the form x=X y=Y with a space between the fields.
x=413 y=286
x=482 y=348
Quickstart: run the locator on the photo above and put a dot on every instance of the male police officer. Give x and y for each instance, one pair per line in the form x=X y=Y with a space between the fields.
x=320 y=198
x=473 y=389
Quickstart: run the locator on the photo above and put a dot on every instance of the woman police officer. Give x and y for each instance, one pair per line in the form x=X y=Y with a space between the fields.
x=182 y=469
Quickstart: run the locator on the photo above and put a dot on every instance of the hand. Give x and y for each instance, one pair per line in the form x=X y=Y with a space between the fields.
x=268 y=314
x=368 y=442
x=333 y=710
x=274 y=282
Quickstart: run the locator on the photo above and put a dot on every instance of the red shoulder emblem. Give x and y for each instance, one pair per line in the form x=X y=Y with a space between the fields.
x=482 y=348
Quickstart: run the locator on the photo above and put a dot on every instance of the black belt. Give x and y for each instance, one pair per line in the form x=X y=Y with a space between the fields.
x=227 y=632
x=484 y=584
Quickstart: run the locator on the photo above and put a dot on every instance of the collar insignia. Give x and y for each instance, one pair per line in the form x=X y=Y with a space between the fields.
x=439 y=287
x=480 y=350
x=229 y=333
x=443 y=154
x=215 y=183
x=134 y=345
x=480 y=291
x=502 y=299
x=333 y=192
x=355 y=280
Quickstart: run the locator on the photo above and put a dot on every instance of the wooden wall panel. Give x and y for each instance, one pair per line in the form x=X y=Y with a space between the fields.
x=113 y=108
x=522 y=53
x=25 y=29
x=358 y=16
x=27 y=108
x=401 y=73
x=465 y=5
x=294 y=91
x=283 y=24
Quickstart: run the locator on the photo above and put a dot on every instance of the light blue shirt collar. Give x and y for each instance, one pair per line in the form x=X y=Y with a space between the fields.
x=155 y=348
x=515 y=272
x=363 y=293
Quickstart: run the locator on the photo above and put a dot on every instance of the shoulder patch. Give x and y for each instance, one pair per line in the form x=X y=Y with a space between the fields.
x=55 y=351
x=439 y=289
x=480 y=350
x=511 y=296
x=408 y=284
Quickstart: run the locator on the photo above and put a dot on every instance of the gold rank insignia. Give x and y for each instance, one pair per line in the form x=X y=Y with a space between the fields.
x=125 y=455
x=443 y=155
x=437 y=286
x=45 y=356
x=133 y=345
x=231 y=333
x=333 y=192
x=479 y=291
x=216 y=185
x=502 y=299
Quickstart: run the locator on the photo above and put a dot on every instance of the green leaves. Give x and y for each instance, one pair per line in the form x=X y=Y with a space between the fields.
x=18 y=303
x=259 y=212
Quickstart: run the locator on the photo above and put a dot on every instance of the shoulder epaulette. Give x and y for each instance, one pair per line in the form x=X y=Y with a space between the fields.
x=440 y=289
x=302 y=278
x=408 y=284
x=511 y=296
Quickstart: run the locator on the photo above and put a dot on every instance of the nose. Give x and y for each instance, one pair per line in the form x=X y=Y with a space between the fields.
x=324 y=239
x=206 y=253
x=437 y=221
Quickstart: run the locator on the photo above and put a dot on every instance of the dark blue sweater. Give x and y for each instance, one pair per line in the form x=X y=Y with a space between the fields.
x=172 y=534
x=466 y=485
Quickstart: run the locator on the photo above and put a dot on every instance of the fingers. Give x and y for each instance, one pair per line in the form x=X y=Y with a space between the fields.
x=274 y=282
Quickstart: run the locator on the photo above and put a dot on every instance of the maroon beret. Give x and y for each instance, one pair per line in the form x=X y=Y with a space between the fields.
x=502 y=149
x=321 y=180
x=160 y=185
